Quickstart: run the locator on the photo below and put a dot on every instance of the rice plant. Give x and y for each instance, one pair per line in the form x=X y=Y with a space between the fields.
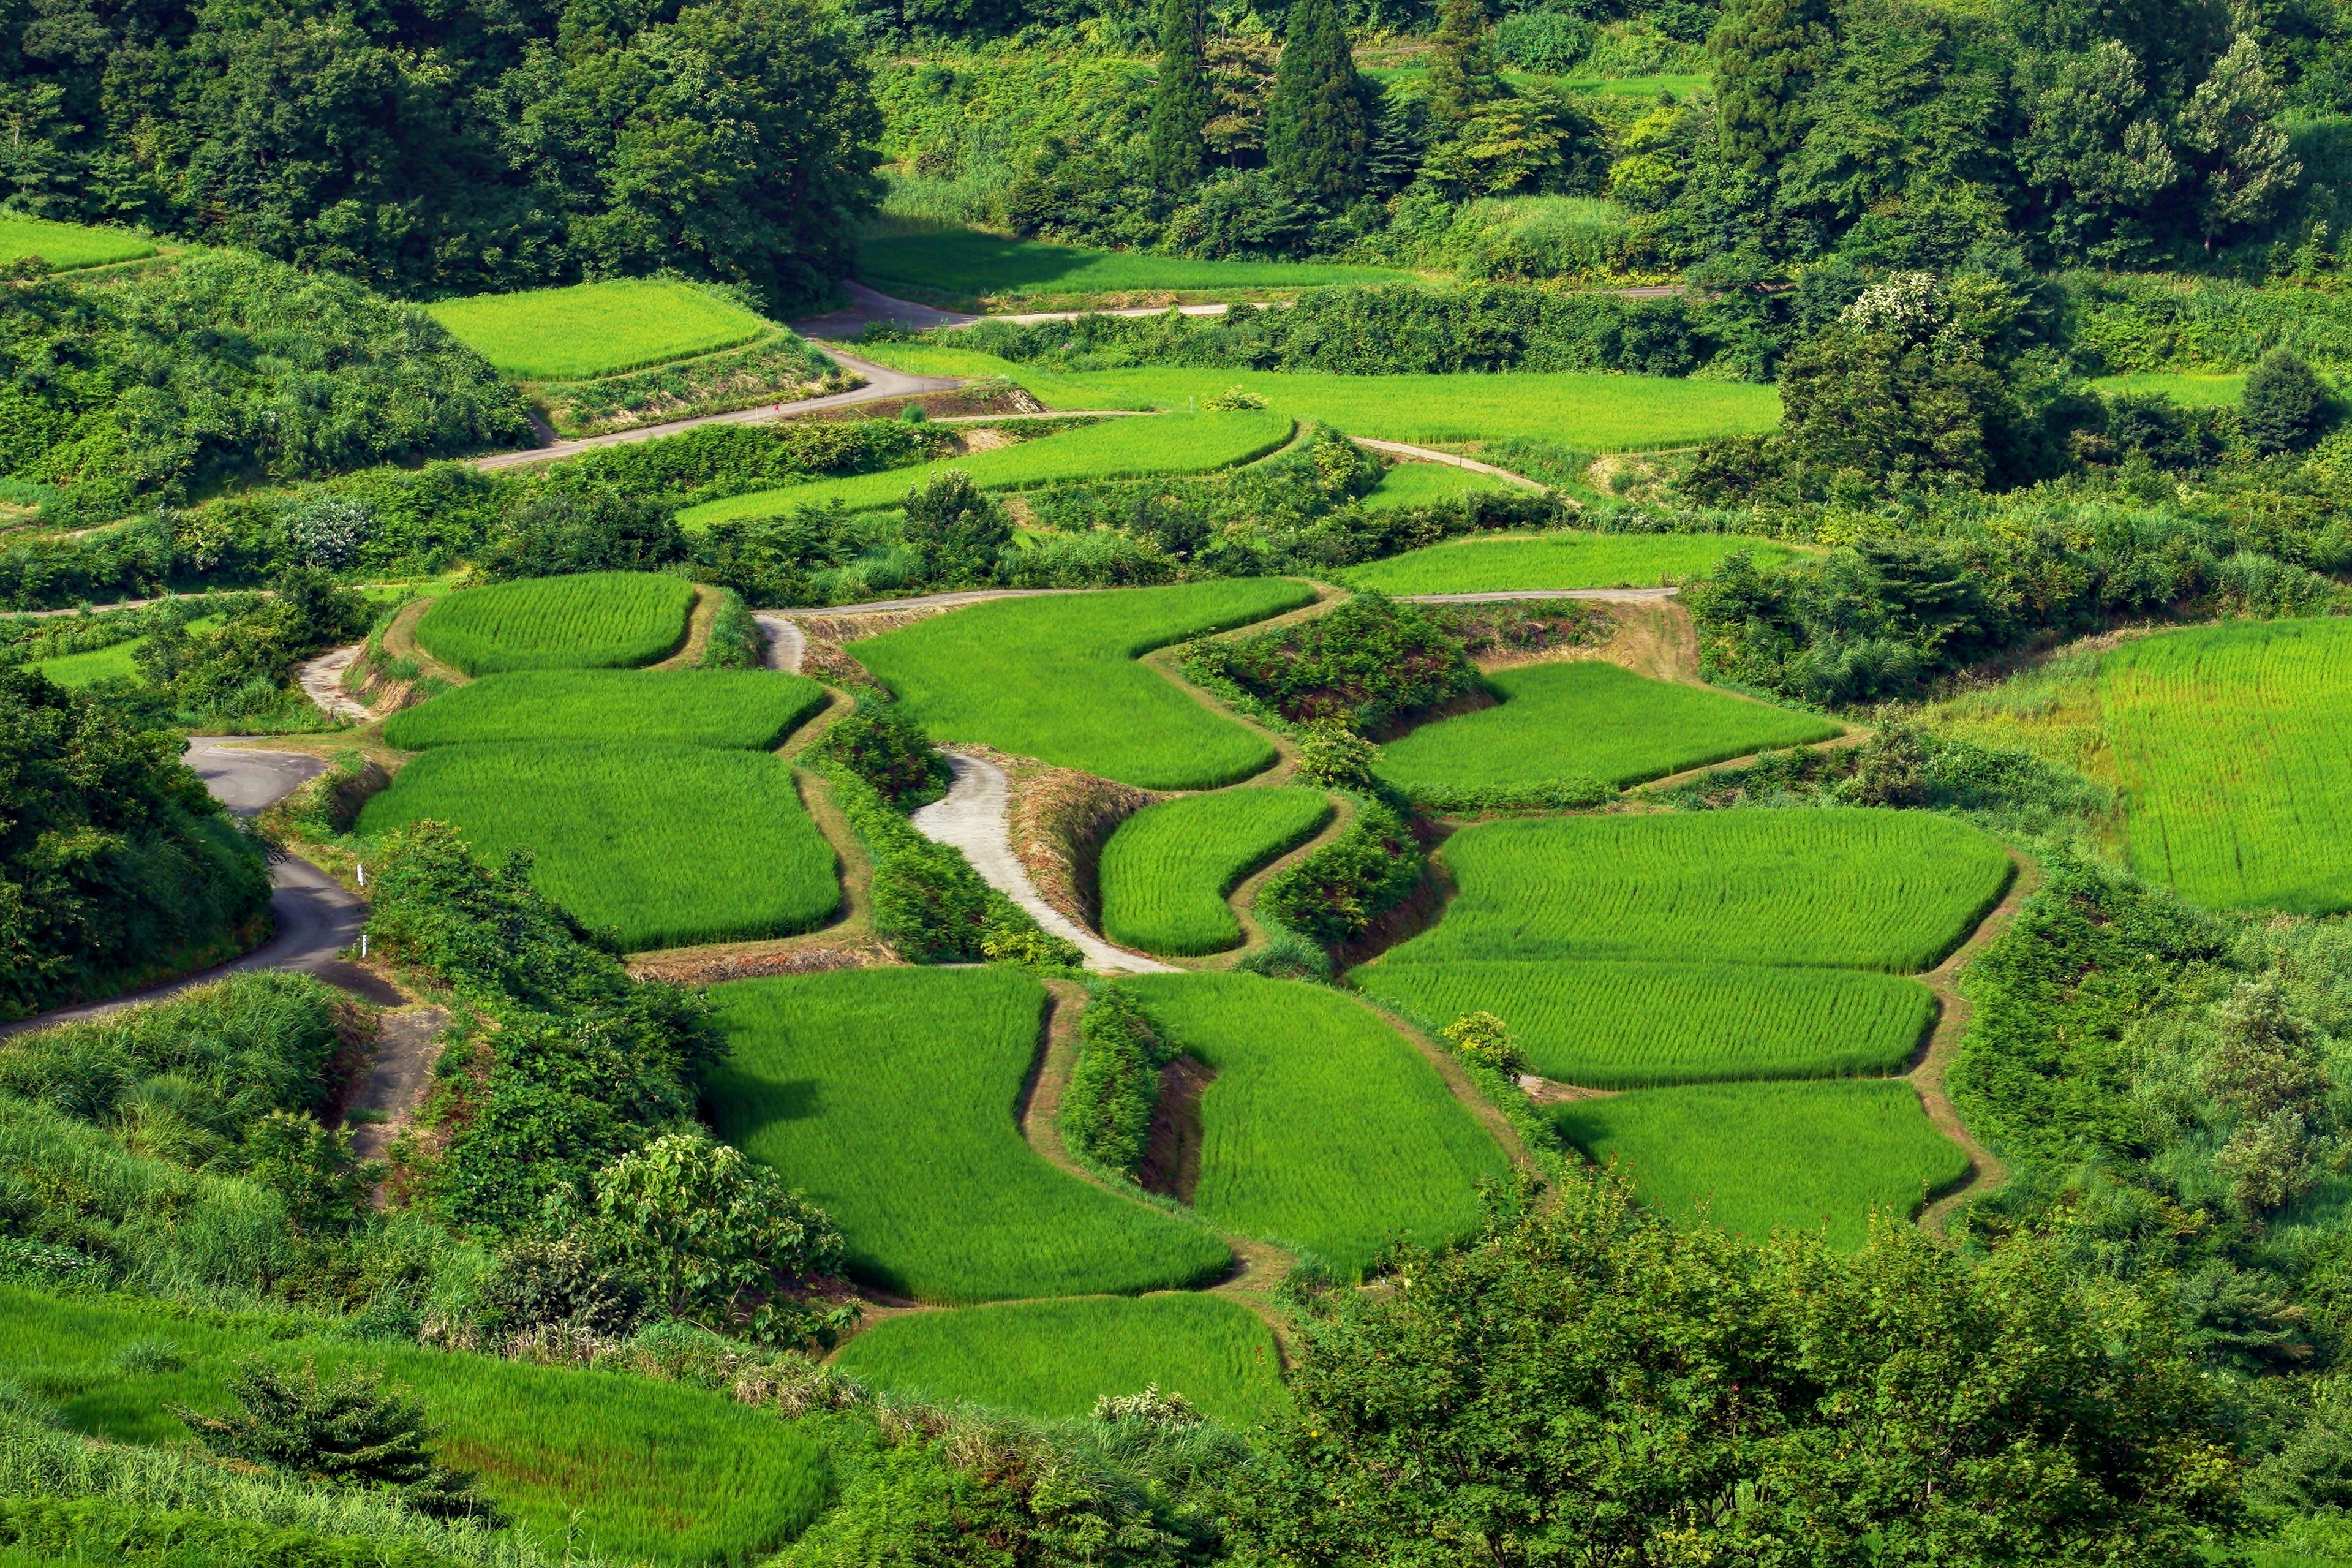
x=734 y=709
x=594 y=620
x=1561 y=724
x=1502 y=563
x=1325 y=1130
x=1893 y=890
x=660 y=845
x=66 y=245
x=888 y=1095
x=1427 y=484
x=1753 y=1157
x=596 y=329
x=1166 y=872
x=1055 y=679
x=1054 y=1359
x=1609 y=1025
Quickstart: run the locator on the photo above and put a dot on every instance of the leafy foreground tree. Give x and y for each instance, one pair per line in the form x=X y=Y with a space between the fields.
x=348 y=1431
x=1591 y=1385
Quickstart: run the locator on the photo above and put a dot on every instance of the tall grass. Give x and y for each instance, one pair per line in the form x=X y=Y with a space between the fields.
x=1622 y=1025
x=1852 y=890
x=596 y=329
x=1751 y=1157
x=1054 y=1359
x=594 y=620
x=639 y=1470
x=1114 y=449
x=1502 y=564
x=1166 y=871
x=660 y=845
x=889 y=1096
x=730 y=709
x=1325 y=1130
x=1057 y=679
x=1562 y=723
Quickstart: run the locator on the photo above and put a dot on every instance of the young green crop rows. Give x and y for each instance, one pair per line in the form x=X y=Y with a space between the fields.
x=966 y=264
x=595 y=620
x=663 y=845
x=1586 y=412
x=2232 y=742
x=1584 y=720
x=1860 y=889
x=1610 y=1024
x=1054 y=1359
x=888 y=1095
x=1055 y=679
x=1751 y=1156
x=595 y=329
x=66 y=245
x=624 y=1468
x=730 y=709
x=1503 y=563
x=1427 y=484
x=1114 y=449
x=1166 y=872
x=1325 y=1130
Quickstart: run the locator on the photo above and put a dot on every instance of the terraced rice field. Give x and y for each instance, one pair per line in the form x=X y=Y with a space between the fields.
x=1751 y=1157
x=971 y=265
x=1505 y=563
x=595 y=620
x=2234 y=745
x=1607 y=1025
x=1585 y=412
x=734 y=709
x=1113 y=449
x=1052 y=1360
x=67 y=245
x=1851 y=889
x=888 y=1095
x=2195 y=389
x=1584 y=720
x=119 y=661
x=627 y=1469
x=1057 y=679
x=1325 y=1130
x=663 y=846
x=1166 y=872
x=596 y=329
x=1428 y=484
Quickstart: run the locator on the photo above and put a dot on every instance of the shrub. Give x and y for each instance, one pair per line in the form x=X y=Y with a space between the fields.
x=1332 y=753
x=957 y=528
x=735 y=640
x=1233 y=397
x=1545 y=42
x=2284 y=404
x=1115 y=1086
x=558 y=533
x=1480 y=1039
x=1335 y=894
x=881 y=745
x=1365 y=664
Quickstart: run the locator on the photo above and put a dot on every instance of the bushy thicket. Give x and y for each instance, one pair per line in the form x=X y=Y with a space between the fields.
x=115 y=865
x=1337 y=894
x=881 y=745
x=1113 y=1088
x=1369 y=663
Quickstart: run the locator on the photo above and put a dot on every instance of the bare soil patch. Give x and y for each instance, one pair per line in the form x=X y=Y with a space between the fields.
x=1171 y=1154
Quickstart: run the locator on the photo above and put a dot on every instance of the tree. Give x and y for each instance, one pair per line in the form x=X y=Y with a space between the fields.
x=2231 y=123
x=1766 y=54
x=1317 y=131
x=1462 y=73
x=1180 y=103
x=2269 y=1071
x=2283 y=405
x=2095 y=154
x=958 y=527
x=350 y=1431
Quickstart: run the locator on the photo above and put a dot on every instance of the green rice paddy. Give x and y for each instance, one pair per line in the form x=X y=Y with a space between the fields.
x=889 y=1097
x=1055 y=678
x=629 y=1468
x=971 y=265
x=1585 y=412
x=1325 y=1130
x=1166 y=872
x=596 y=329
x=1115 y=448
x=740 y=708
x=1506 y=563
x=1843 y=888
x=2193 y=388
x=594 y=620
x=1754 y=1157
x=1609 y=1025
x=67 y=245
x=1052 y=1360
x=1428 y=484
x=2231 y=743
x=1583 y=719
x=663 y=846
x=117 y=661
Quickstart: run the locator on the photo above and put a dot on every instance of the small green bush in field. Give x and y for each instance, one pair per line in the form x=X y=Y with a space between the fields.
x=1480 y=1039
x=1114 y=1088
x=880 y=744
x=2284 y=403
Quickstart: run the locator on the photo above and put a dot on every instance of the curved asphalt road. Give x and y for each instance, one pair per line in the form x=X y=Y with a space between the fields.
x=314 y=918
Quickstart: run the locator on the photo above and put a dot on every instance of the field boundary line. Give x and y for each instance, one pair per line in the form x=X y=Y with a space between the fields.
x=699 y=620
x=1243 y=900
x=400 y=642
x=1432 y=455
x=1458 y=1083
x=1987 y=1171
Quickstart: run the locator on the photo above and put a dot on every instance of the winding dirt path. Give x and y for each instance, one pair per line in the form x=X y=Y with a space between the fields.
x=321 y=679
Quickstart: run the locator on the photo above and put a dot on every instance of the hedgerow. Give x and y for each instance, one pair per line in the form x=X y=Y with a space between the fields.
x=1106 y=1109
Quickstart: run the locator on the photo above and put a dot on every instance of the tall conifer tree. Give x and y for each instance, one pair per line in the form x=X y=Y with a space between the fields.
x=1766 y=54
x=1316 y=131
x=1180 y=105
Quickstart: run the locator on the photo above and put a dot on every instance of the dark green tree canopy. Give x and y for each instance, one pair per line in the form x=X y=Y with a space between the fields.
x=1182 y=105
x=1318 y=132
